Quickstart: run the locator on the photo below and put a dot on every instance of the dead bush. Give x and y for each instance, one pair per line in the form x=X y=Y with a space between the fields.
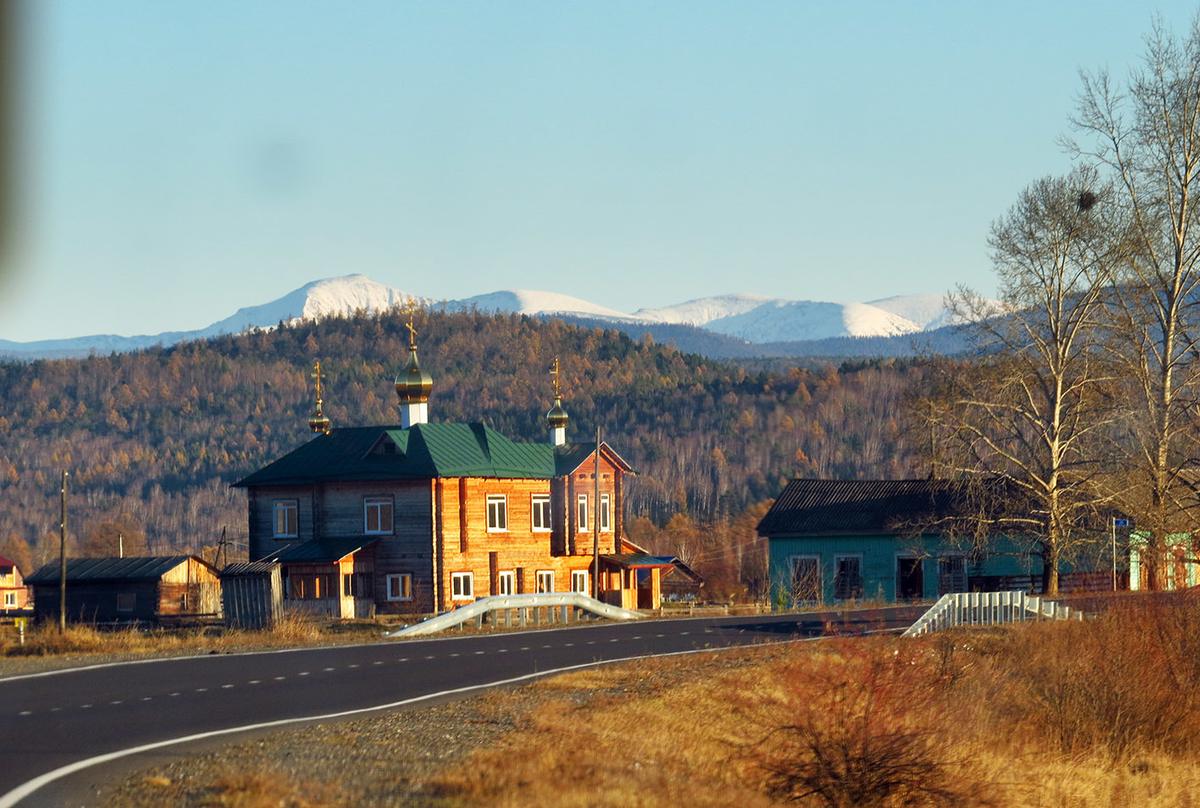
x=866 y=730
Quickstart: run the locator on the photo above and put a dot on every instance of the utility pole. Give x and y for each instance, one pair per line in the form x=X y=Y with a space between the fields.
x=596 y=523
x=62 y=561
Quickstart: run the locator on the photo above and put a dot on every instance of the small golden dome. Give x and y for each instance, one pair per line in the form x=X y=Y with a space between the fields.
x=413 y=385
x=557 y=417
x=319 y=423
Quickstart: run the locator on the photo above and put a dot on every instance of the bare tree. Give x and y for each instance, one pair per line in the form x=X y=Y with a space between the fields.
x=1148 y=134
x=1027 y=412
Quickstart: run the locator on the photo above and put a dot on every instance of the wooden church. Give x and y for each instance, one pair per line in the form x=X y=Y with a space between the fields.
x=422 y=517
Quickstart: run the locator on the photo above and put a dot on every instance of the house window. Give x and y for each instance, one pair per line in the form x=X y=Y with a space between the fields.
x=377 y=515
x=286 y=519
x=583 y=512
x=497 y=512
x=847 y=577
x=10 y=600
x=399 y=586
x=952 y=574
x=462 y=585
x=545 y=581
x=126 y=601
x=605 y=501
x=541 y=512
x=579 y=581
x=506 y=583
x=805 y=584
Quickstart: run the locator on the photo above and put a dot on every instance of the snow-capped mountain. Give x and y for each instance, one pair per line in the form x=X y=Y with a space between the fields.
x=748 y=319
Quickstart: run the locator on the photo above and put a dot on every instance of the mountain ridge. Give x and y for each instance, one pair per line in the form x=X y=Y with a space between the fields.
x=742 y=322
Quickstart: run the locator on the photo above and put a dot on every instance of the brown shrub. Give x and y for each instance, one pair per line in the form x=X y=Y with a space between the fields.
x=866 y=728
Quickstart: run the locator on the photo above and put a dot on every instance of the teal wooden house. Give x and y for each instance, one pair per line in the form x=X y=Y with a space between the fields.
x=841 y=540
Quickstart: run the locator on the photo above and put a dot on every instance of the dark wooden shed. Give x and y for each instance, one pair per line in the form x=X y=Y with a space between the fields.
x=127 y=590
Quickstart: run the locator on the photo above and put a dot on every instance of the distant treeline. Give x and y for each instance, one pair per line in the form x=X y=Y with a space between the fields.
x=153 y=439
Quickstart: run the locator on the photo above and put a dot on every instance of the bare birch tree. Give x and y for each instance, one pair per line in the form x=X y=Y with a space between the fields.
x=1027 y=411
x=1148 y=134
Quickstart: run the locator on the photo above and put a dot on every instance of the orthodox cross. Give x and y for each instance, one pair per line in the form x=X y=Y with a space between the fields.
x=316 y=374
x=554 y=373
x=412 y=332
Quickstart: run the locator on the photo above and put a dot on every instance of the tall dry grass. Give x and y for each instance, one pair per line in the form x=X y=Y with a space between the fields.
x=1100 y=713
x=82 y=639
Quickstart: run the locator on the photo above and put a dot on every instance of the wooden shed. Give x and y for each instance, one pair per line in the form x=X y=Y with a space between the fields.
x=127 y=590
x=252 y=593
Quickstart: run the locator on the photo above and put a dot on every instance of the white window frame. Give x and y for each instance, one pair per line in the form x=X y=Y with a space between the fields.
x=545 y=578
x=605 y=511
x=399 y=586
x=380 y=505
x=10 y=600
x=283 y=506
x=581 y=511
x=580 y=581
x=506 y=582
x=462 y=586
x=539 y=518
x=497 y=513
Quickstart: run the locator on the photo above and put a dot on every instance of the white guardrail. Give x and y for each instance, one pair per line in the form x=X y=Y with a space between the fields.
x=562 y=603
x=989 y=609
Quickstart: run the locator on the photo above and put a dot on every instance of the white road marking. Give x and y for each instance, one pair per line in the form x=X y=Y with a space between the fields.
x=254 y=682
x=377 y=662
x=402 y=659
x=118 y=701
x=226 y=687
x=25 y=712
x=327 y=670
x=85 y=706
x=147 y=698
x=302 y=673
x=175 y=694
x=480 y=653
x=355 y=665
x=454 y=655
x=202 y=690
x=280 y=678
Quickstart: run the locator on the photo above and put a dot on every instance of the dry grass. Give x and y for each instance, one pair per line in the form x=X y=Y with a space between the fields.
x=259 y=790
x=1094 y=714
x=82 y=639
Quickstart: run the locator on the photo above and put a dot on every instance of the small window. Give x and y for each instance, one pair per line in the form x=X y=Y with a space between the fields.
x=541 y=512
x=286 y=519
x=347 y=585
x=506 y=583
x=579 y=581
x=545 y=581
x=126 y=601
x=377 y=515
x=497 y=512
x=605 y=503
x=583 y=512
x=399 y=586
x=462 y=585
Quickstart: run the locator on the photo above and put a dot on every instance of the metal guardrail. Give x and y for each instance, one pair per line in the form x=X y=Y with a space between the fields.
x=989 y=609
x=563 y=602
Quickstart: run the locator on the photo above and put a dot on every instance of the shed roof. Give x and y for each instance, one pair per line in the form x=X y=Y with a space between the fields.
x=422 y=451
x=147 y=568
x=855 y=507
x=240 y=568
x=634 y=560
x=320 y=551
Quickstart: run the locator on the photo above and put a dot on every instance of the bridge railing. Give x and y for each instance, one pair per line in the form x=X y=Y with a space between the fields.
x=519 y=610
x=989 y=608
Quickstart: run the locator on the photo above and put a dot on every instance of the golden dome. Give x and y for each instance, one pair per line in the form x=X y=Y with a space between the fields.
x=557 y=417
x=413 y=385
x=319 y=423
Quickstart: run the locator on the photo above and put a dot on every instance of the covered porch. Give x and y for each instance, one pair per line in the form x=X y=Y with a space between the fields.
x=633 y=580
x=333 y=577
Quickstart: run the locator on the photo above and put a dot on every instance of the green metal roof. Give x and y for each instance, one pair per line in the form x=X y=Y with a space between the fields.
x=423 y=451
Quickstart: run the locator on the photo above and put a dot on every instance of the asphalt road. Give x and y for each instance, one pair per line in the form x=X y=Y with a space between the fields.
x=66 y=719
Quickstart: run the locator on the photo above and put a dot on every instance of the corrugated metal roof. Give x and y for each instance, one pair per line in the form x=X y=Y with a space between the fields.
x=247 y=568
x=423 y=451
x=320 y=551
x=111 y=569
x=827 y=507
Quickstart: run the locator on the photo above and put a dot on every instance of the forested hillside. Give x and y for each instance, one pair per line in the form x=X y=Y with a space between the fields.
x=153 y=439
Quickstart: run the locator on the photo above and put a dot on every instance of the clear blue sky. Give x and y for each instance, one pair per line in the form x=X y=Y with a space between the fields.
x=182 y=159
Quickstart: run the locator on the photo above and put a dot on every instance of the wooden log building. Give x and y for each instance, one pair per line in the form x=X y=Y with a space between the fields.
x=423 y=517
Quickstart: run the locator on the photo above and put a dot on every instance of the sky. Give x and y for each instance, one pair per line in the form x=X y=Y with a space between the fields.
x=177 y=161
